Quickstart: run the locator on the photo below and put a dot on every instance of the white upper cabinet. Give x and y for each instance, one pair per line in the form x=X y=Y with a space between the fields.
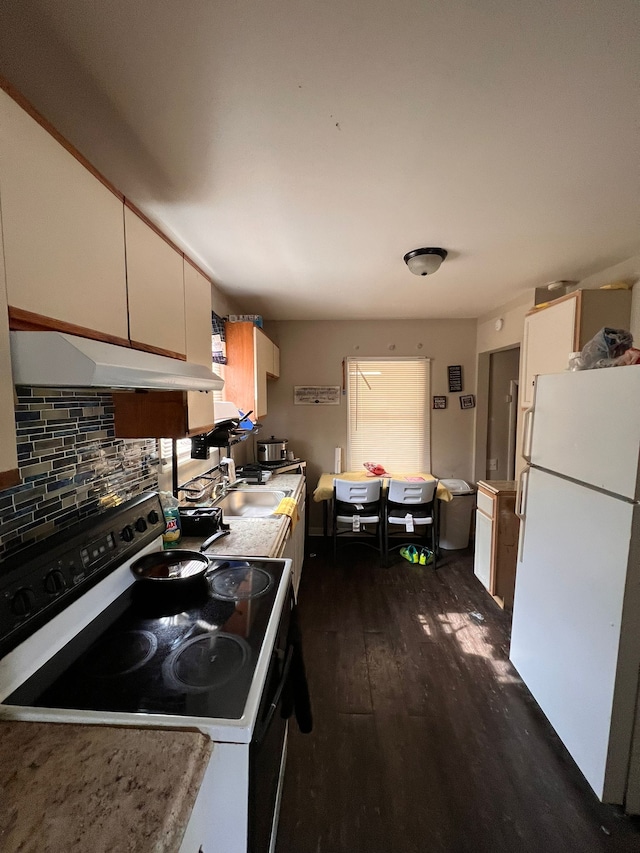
x=263 y=364
x=197 y=299
x=547 y=345
x=275 y=372
x=155 y=282
x=63 y=232
x=551 y=334
x=8 y=453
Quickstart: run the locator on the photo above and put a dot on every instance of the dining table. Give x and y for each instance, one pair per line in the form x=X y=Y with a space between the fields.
x=323 y=492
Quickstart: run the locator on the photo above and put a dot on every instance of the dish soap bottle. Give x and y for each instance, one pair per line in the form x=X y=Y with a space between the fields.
x=170 y=508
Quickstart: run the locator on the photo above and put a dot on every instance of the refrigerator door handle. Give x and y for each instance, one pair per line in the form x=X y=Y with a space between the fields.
x=527 y=435
x=521 y=506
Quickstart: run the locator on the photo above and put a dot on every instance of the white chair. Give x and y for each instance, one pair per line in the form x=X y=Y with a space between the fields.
x=410 y=509
x=356 y=504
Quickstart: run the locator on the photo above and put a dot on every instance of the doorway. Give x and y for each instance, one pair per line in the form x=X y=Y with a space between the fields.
x=502 y=408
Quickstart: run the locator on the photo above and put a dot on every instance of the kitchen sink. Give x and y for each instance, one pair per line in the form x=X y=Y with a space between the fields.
x=250 y=503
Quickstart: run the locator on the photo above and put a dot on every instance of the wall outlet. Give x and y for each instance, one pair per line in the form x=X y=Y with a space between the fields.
x=492 y=464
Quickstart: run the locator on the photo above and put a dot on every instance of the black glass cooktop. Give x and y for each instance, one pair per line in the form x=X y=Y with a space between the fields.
x=189 y=652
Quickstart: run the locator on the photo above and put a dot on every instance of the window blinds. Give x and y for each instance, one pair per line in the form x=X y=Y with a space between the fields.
x=388 y=419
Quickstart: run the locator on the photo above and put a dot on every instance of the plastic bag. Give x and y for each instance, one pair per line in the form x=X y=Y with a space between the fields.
x=374 y=469
x=630 y=356
x=605 y=348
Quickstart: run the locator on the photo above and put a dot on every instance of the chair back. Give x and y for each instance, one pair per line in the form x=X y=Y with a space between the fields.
x=411 y=493
x=357 y=491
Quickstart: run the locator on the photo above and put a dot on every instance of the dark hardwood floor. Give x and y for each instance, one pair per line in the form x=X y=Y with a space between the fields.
x=425 y=740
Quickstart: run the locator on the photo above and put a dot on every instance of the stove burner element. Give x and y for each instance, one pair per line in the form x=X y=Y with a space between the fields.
x=122 y=653
x=239 y=582
x=206 y=662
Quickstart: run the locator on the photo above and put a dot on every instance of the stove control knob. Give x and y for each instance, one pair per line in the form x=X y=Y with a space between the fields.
x=141 y=525
x=23 y=602
x=153 y=517
x=54 y=582
x=127 y=533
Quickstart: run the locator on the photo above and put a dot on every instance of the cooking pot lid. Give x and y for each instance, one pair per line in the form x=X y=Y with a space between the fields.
x=273 y=440
x=238 y=582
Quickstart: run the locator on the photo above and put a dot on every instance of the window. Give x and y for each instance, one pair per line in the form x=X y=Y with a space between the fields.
x=388 y=418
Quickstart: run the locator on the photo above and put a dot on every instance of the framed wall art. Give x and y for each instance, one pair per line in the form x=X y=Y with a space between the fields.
x=316 y=395
x=467 y=401
x=455 y=378
x=440 y=402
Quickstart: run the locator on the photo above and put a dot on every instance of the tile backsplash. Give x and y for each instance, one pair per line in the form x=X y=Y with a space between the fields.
x=71 y=466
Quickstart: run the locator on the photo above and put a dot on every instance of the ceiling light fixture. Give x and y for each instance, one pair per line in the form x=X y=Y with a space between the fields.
x=425 y=261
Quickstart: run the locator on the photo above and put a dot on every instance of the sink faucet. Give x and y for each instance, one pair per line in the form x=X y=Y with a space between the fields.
x=224 y=485
x=231 y=486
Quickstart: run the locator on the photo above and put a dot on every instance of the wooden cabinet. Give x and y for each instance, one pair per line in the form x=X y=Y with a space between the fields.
x=551 y=334
x=8 y=454
x=496 y=544
x=63 y=234
x=251 y=358
x=155 y=284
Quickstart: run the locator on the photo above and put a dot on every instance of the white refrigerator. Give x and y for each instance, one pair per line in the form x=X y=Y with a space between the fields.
x=576 y=616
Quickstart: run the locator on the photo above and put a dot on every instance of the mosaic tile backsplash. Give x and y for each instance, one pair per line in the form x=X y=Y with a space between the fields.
x=71 y=465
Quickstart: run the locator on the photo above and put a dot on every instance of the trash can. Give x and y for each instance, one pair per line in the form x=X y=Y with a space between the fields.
x=455 y=516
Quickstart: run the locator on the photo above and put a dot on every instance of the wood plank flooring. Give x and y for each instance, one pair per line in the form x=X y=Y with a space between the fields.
x=425 y=739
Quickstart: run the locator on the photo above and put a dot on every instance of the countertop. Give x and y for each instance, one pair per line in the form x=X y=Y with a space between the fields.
x=74 y=788
x=497 y=486
x=255 y=537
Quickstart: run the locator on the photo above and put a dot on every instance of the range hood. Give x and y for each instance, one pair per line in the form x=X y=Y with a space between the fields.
x=67 y=361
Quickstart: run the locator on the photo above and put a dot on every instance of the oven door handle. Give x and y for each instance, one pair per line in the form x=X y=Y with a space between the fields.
x=258 y=738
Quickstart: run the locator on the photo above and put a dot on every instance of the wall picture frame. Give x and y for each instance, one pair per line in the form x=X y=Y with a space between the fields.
x=454 y=372
x=440 y=402
x=316 y=395
x=467 y=401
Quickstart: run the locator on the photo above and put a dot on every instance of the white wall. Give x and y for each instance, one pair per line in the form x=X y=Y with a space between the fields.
x=311 y=353
x=512 y=314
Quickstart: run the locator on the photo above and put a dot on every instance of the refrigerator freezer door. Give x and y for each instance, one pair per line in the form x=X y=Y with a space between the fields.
x=576 y=620
x=586 y=425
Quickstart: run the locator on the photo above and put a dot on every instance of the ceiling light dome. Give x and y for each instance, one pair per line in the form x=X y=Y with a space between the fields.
x=425 y=261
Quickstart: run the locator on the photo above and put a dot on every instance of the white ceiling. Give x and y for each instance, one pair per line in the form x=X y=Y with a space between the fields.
x=298 y=149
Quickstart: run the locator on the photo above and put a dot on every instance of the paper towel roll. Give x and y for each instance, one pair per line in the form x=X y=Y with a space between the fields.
x=337 y=461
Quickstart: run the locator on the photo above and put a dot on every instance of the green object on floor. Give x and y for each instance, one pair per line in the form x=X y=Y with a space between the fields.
x=410 y=553
x=426 y=557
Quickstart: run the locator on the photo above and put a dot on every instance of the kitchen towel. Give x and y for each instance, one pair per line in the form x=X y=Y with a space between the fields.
x=288 y=506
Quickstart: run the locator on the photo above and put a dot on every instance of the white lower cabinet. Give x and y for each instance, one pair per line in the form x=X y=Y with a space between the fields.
x=497 y=528
x=294 y=548
x=482 y=557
